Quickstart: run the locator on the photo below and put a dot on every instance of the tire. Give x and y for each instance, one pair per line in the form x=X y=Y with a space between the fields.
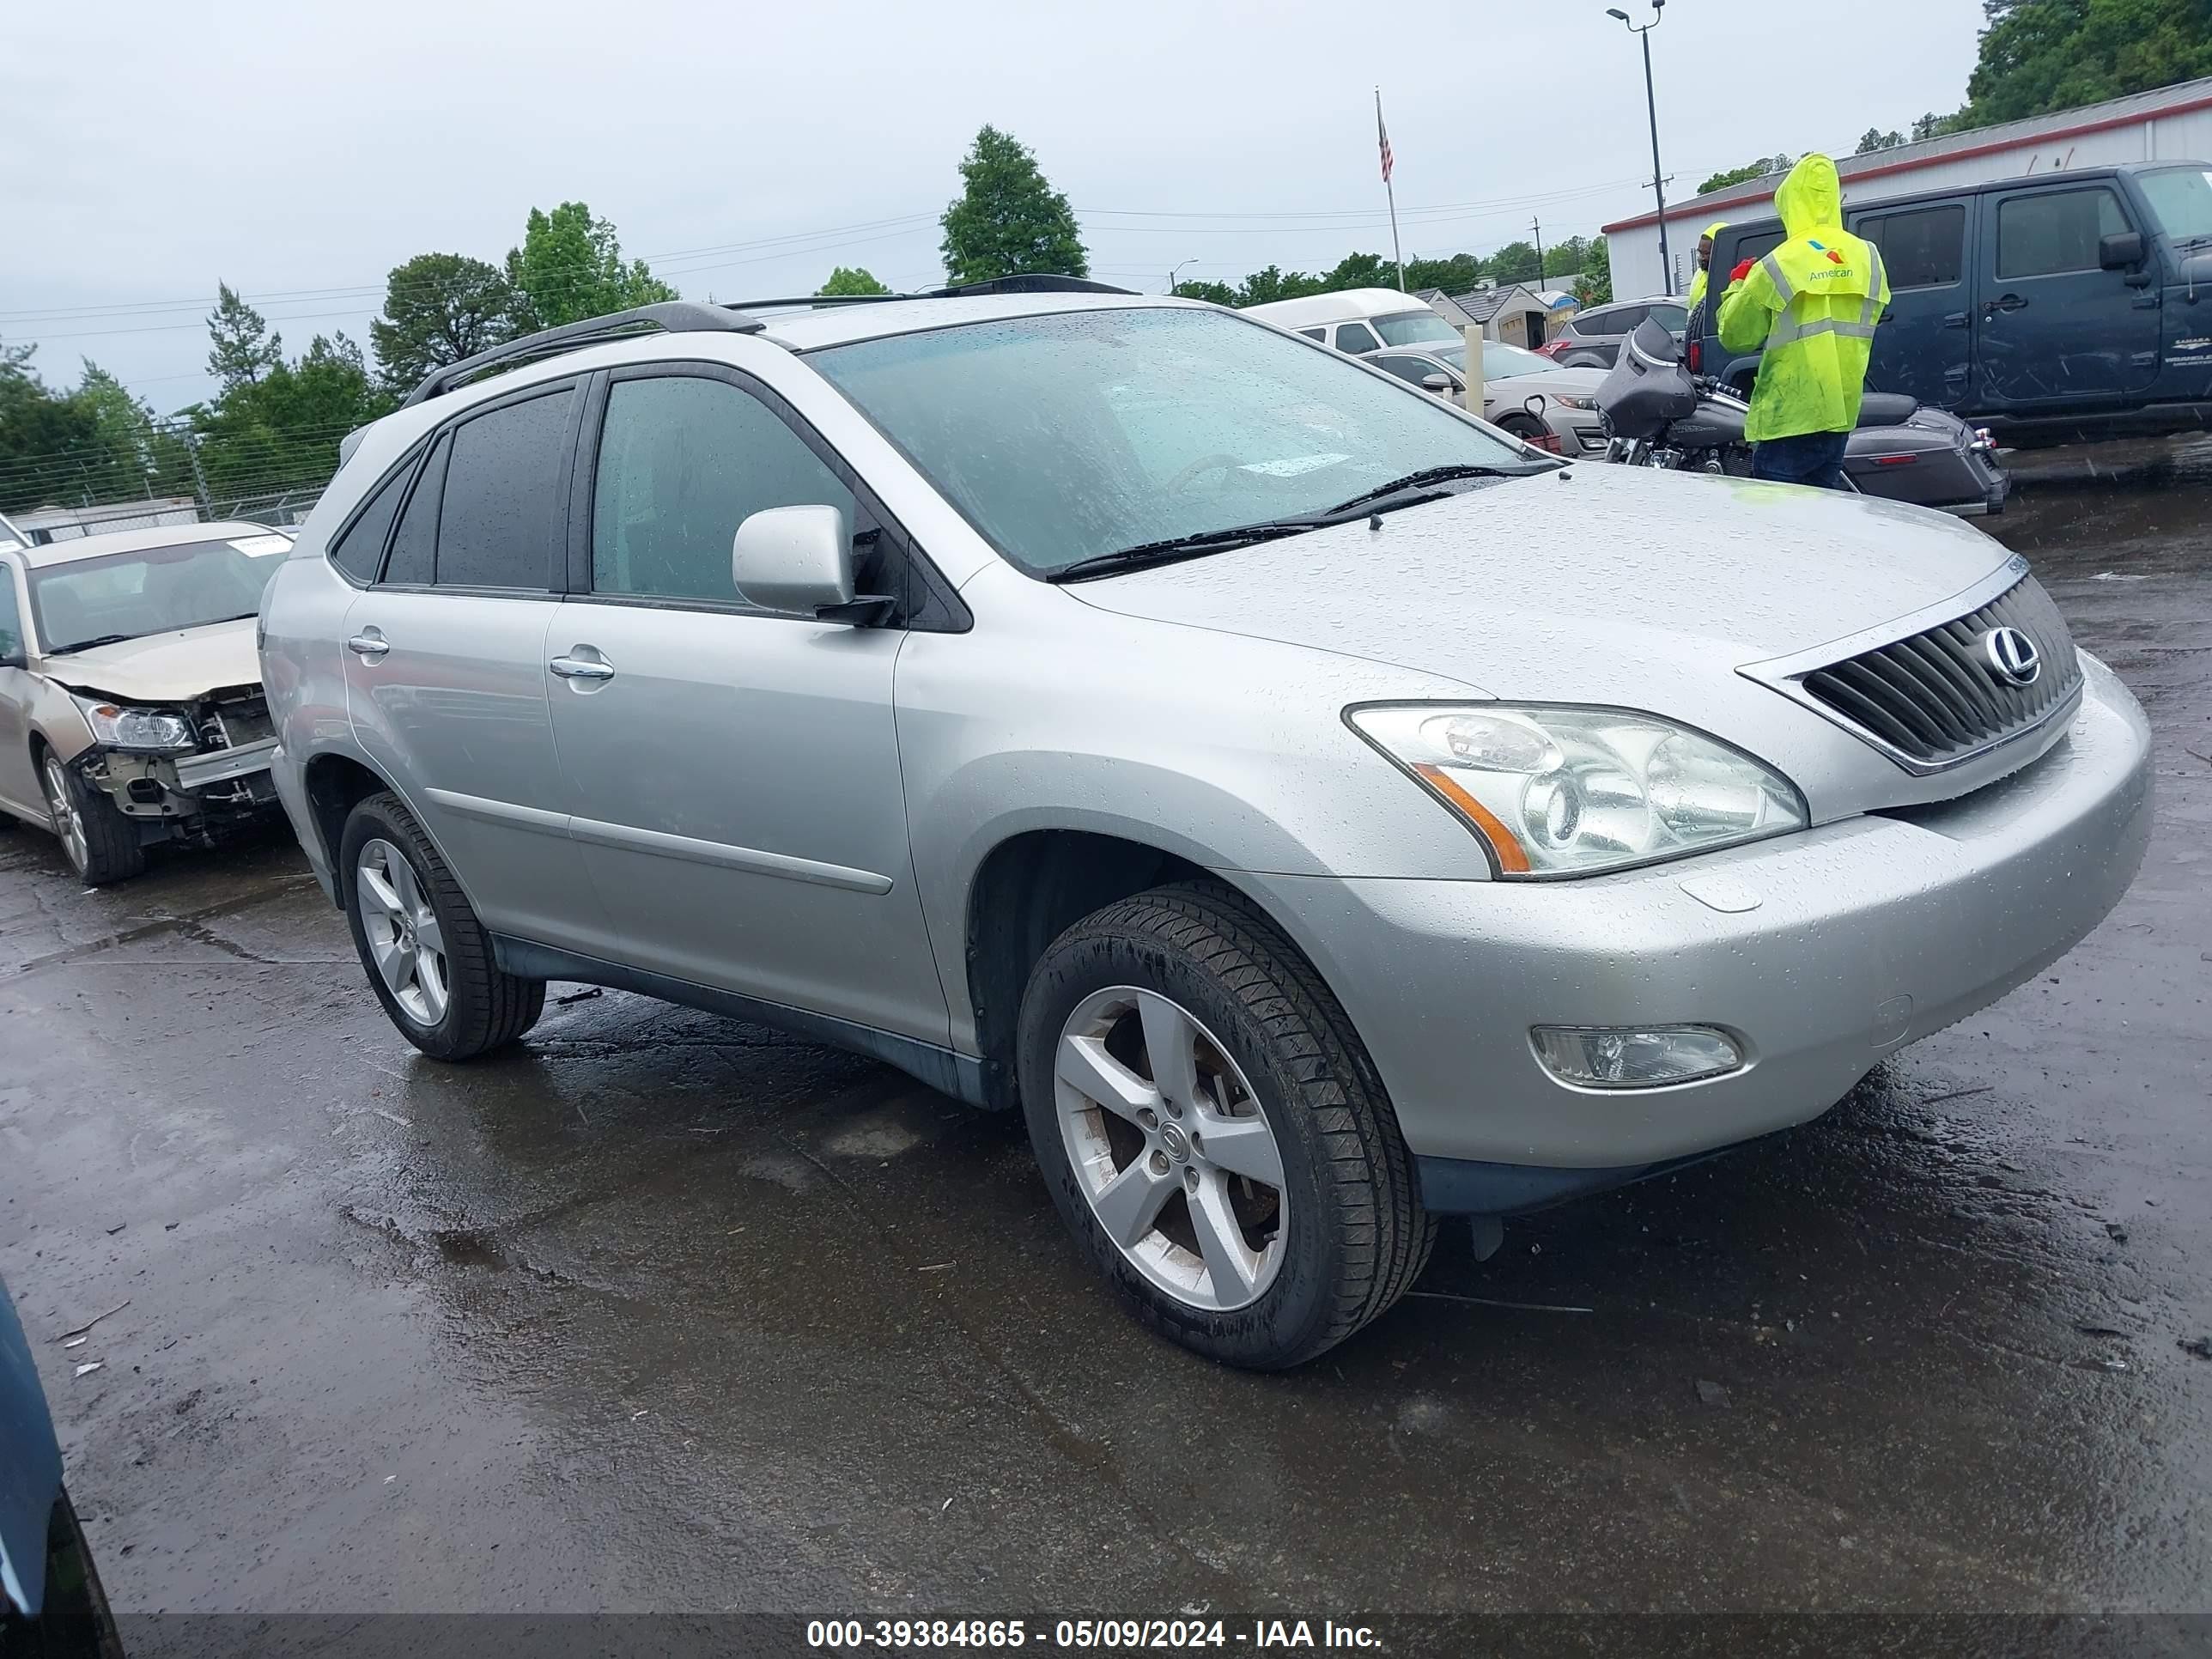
x=100 y=843
x=445 y=990
x=1273 y=1048
x=75 y=1622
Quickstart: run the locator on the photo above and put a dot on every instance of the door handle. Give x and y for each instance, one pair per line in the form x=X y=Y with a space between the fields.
x=581 y=668
x=1955 y=319
x=368 y=643
x=2003 y=302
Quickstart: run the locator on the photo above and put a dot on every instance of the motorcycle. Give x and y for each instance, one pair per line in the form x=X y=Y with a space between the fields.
x=1657 y=413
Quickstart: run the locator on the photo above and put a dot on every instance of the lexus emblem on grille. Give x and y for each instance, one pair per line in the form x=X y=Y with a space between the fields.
x=2012 y=656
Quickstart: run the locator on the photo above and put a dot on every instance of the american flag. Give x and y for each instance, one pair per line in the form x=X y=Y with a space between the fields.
x=1381 y=136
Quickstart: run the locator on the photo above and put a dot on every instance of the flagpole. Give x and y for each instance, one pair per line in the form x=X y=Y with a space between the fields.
x=1397 y=253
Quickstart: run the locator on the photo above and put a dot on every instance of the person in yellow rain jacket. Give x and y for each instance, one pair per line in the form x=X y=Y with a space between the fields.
x=1704 y=260
x=1811 y=305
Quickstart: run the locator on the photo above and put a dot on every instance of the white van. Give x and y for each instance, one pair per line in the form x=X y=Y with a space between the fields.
x=1359 y=320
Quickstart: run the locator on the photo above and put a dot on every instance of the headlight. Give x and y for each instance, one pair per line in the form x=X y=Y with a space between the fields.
x=140 y=731
x=1568 y=791
x=1570 y=400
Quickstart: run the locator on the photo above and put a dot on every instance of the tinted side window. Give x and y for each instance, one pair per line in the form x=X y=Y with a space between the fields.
x=361 y=549
x=1625 y=319
x=1415 y=369
x=415 y=544
x=1356 y=337
x=503 y=512
x=2042 y=236
x=11 y=621
x=1320 y=334
x=1755 y=247
x=683 y=460
x=1924 y=248
x=1672 y=318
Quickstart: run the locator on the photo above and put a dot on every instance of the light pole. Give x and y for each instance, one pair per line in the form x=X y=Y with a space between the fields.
x=1171 y=276
x=1651 y=107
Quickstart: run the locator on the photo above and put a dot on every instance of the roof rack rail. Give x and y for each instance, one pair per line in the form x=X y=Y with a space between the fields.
x=1029 y=282
x=676 y=316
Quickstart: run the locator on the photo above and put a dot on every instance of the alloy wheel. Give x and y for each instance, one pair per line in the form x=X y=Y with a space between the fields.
x=403 y=932
x=1172 y=1148
x=69 y=823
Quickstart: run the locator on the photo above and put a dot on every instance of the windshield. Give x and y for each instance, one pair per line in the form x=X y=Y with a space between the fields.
x=2182 y=199
x=1063 y=437
x=1412 y=327
x=155 y=590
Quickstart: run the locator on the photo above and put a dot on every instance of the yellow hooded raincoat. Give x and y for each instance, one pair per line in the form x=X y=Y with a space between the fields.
x=1697 y=282
x=1812 y=306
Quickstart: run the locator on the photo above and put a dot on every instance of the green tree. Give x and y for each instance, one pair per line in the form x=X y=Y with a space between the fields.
x=570 y=267
x=1008 y=219
x=45 y=437
x=1272 y=283
x=437 y=309
x=1758 y=167
x=1932 y=125
x=242 y=349
x=1362 y=270
x=1456 y=275
x=1567 y=258
x=1875 y=138
x=847 y=280
x=1595 y=287
x=2039 y=56
x=137 y=456
x=281 y=432
x=1514 y=262
x=1220 y=293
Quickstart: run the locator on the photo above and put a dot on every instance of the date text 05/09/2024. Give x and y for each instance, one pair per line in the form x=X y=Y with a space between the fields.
x=1107 y=1635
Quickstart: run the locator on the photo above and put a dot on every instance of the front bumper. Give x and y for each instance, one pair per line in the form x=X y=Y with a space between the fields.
x=1821 y=952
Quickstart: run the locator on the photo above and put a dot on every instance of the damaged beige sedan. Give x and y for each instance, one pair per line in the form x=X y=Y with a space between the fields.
x=130 y=704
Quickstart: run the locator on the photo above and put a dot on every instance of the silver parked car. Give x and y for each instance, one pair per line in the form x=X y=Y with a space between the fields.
x=130 y=705
x=1524 y=394
x=1316 y=814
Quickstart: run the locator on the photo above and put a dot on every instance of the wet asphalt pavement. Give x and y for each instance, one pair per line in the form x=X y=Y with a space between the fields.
x=662 y=1312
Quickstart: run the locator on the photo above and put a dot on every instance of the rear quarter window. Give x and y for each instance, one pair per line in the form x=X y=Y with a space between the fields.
x=360 y=550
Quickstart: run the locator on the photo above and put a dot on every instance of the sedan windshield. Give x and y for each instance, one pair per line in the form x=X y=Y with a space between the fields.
x=155 y=590
x=1064 y=437
x=1412 y=327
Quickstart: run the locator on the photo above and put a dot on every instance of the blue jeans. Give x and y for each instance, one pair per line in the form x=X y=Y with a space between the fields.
x=1811 y=458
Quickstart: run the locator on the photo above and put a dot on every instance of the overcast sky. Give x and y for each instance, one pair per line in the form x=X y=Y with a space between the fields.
x=299 y=151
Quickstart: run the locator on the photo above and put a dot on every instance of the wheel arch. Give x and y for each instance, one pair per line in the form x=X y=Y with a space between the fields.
x=1027 y=890
x=335 y=781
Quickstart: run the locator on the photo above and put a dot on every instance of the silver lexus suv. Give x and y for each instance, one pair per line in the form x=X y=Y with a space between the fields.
x=1316 y=812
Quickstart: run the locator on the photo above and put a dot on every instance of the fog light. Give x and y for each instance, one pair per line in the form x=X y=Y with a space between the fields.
x=1622 y=1057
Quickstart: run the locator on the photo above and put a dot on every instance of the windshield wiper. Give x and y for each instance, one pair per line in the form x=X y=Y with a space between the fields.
x=1437 y=475
x=87 y=645
x=1190 y=547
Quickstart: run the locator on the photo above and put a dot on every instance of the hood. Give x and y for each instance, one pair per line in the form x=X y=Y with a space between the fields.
x=1547 y=380
x=1811 y=199
x=177 y=667
x=1596 y=584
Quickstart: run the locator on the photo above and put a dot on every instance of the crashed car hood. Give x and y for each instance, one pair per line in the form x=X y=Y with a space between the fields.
x=175 y=667
x=1594 y=584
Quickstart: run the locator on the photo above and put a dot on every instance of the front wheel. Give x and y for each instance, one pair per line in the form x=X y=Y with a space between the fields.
x=429 y=959
x=1212 y=1131
x=101 y=844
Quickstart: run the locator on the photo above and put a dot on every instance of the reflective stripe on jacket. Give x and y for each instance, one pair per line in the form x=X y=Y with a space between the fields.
x=1812 y=305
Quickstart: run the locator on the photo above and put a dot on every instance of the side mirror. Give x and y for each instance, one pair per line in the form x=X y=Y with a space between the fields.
x=11 y=646
x=1439 y=383
x=2122 y=250
x=799 y=559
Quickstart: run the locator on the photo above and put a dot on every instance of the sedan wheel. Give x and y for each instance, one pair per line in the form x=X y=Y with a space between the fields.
x=404 y=936
x=1171 y=1148
x=69 y=823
